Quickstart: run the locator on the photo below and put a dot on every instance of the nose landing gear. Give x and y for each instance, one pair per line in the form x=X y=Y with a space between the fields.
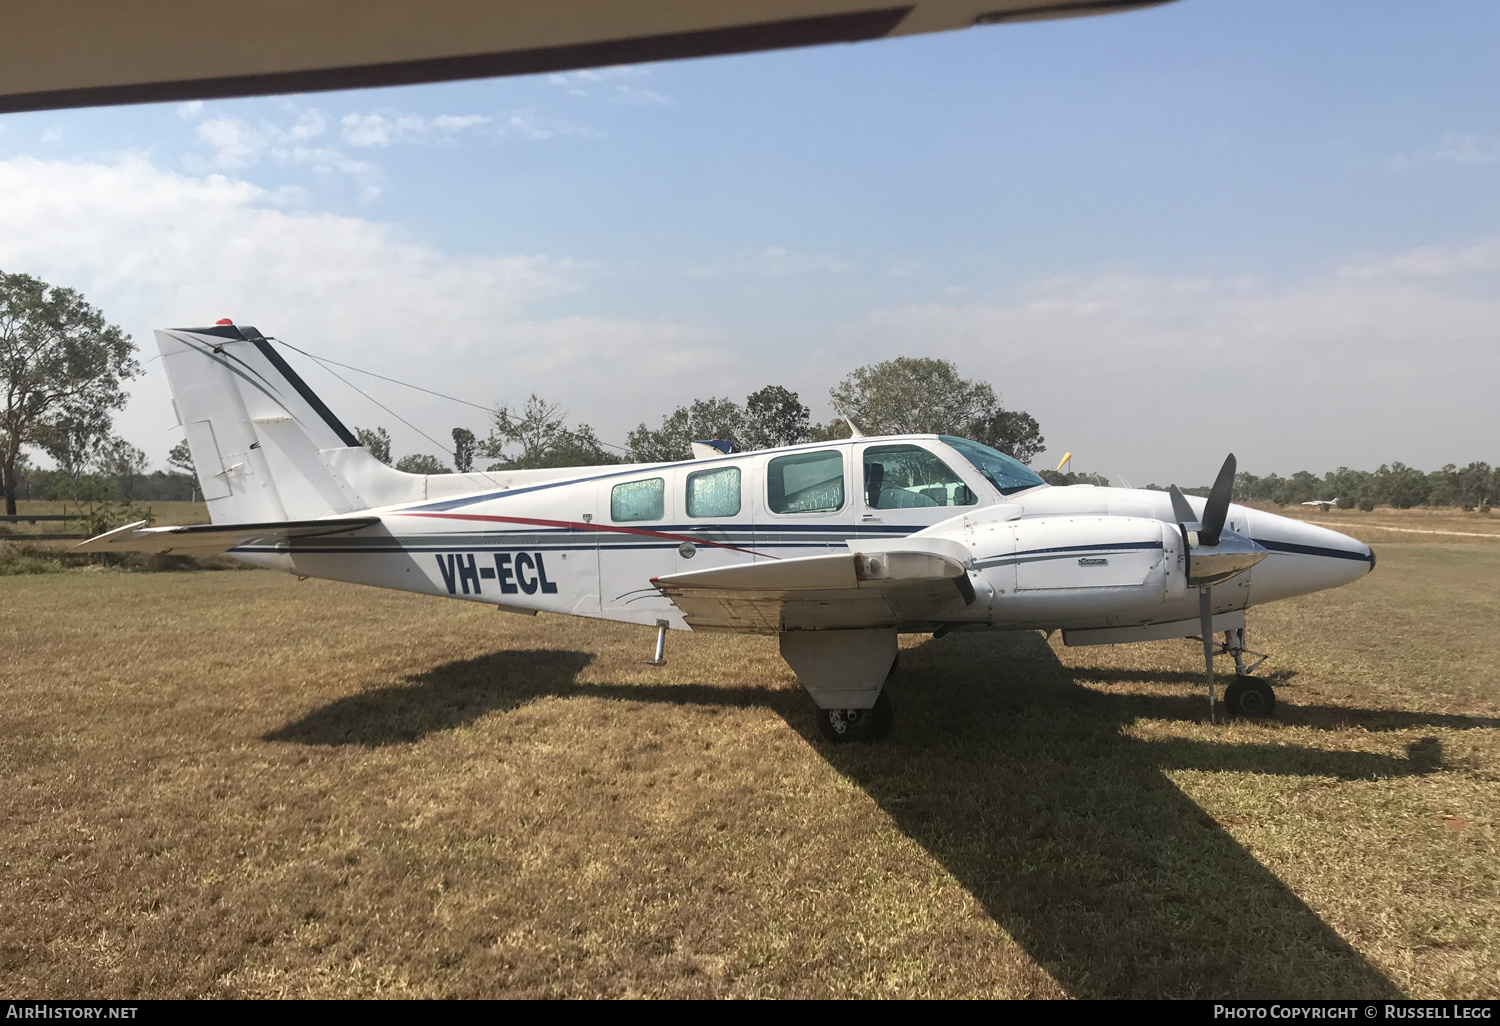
x=1247 y=697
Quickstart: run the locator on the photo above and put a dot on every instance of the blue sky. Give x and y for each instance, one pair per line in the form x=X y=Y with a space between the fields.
x=1266 y=227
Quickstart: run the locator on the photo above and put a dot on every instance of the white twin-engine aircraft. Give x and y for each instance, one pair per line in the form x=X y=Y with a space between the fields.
x=836 y=547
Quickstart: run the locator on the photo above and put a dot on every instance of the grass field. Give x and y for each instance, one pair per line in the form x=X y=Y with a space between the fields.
x=237 y=784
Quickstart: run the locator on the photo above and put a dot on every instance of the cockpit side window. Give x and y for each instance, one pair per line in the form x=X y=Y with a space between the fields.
x=908 y=477
x=1005 y=473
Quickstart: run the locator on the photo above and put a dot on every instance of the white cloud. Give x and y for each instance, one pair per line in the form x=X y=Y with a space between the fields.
x=383 y=130
x=613 y=85
x=1468 y=148
x=365 y=130
x=1157 y=376
x=526 y=123
x=772 y=261
x=157 y=249
x=1429 y=262
x=238 y=144
x=1153 y=376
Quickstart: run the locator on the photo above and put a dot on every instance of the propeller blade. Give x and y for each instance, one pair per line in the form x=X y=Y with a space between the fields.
x=1180 y=508
x=1206 y=625
x=1218 y=504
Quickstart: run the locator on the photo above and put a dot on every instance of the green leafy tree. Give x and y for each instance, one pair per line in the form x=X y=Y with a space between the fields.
x=923 y=395
x=911 y=395
x=704 y=419
x=1350 y=487
x=537 y=436
x=464 y=444
x=774 y=416
x=1400 y=486
x=421 y=463
x=1014 y=432
x=180 y=458
x=1476 y=485
x=74 y=442
x=60 y=362
x=378 y=441
x=123 y=462
x=1442 y=486
x=833 y=431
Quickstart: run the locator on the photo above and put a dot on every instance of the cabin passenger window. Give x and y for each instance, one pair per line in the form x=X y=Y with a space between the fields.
x=908 y=477
x=638 y=500
x=809 y=482
x=714 y=493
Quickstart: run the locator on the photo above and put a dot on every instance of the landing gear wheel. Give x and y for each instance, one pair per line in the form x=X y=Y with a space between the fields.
x=844 y=725
x=1250 y=698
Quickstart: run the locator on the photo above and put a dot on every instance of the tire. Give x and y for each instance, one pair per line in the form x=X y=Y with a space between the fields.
x=843 y=726
x=1249 y=698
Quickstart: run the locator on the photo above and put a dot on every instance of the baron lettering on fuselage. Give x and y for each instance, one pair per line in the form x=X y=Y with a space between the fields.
x=835 y=547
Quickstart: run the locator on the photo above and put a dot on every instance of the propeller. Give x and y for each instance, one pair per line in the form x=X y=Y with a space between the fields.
x=1214 y=555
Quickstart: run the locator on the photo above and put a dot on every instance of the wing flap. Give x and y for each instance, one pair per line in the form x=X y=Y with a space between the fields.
x=840 y=591
x=210 y=539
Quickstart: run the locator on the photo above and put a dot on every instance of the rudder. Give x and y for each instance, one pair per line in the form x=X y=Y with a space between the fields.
x=265 y=447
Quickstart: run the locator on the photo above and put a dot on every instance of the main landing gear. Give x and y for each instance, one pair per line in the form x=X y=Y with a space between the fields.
x=844 y=671
x=1246 y=697
x=872 y=724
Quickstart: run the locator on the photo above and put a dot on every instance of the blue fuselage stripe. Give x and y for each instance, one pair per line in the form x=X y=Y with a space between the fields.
x=1294 y=549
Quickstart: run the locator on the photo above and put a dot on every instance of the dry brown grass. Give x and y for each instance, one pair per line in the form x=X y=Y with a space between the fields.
x=238 y=784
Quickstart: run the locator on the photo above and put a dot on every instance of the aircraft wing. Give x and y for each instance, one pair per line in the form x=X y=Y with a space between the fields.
x=82 y=53
x=210 y=539
x=843 y=590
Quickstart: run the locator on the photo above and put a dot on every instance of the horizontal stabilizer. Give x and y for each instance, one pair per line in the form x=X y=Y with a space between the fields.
x=209 y=539
x=840 y=591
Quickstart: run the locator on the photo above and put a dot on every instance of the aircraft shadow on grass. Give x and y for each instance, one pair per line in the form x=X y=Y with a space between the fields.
x=1025 y=786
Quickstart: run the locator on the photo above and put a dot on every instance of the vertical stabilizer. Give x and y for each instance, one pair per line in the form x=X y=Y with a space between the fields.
x=264 y=445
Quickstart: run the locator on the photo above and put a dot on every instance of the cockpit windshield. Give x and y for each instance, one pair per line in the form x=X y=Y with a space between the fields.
x=1007 y=474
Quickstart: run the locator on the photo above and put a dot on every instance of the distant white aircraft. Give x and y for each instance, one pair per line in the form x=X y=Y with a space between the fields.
x=1323 y=504
x=835 y=547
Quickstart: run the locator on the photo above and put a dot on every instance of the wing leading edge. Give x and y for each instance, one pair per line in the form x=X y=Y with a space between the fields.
x=836 y=592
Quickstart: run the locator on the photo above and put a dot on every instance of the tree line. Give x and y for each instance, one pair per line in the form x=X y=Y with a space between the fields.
x=1475 y=486
x=906 y=395
x=63 y=370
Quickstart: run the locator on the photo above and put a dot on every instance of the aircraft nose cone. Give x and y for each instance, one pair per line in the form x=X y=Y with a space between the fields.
x=1304 y=557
